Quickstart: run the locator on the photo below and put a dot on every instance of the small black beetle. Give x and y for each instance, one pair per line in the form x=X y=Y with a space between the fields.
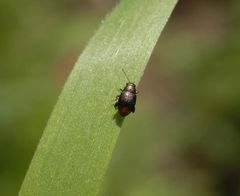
x=125 y=102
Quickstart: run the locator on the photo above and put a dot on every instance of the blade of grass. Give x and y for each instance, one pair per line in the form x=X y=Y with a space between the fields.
x=77 y=143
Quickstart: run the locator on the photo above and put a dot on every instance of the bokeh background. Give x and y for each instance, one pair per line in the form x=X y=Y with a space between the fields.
x=184 y=138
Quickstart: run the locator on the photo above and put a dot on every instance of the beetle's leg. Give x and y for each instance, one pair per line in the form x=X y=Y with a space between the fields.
x=133 y=109
x=117 y=97
x=116 y=105
x=116 y=101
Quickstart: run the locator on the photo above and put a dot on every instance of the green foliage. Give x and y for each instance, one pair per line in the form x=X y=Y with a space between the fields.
x=77 y=143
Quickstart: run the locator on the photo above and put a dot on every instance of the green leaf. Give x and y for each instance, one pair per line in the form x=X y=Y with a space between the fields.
x=78 y=141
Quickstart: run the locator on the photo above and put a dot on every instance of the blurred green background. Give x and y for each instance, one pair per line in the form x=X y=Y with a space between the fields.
x=184 y=138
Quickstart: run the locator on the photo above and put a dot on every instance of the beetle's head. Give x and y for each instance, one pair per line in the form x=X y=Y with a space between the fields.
x=131 y=87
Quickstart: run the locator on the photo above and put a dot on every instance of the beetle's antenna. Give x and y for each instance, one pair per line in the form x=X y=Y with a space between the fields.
x=125 y=75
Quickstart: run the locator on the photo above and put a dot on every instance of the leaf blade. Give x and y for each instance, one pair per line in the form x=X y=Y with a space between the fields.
x=77 y=143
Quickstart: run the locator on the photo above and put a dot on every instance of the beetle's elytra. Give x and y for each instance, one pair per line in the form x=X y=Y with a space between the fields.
x=126 y=101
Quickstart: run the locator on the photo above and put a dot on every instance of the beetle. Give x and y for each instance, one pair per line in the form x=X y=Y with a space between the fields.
x=126 y=101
